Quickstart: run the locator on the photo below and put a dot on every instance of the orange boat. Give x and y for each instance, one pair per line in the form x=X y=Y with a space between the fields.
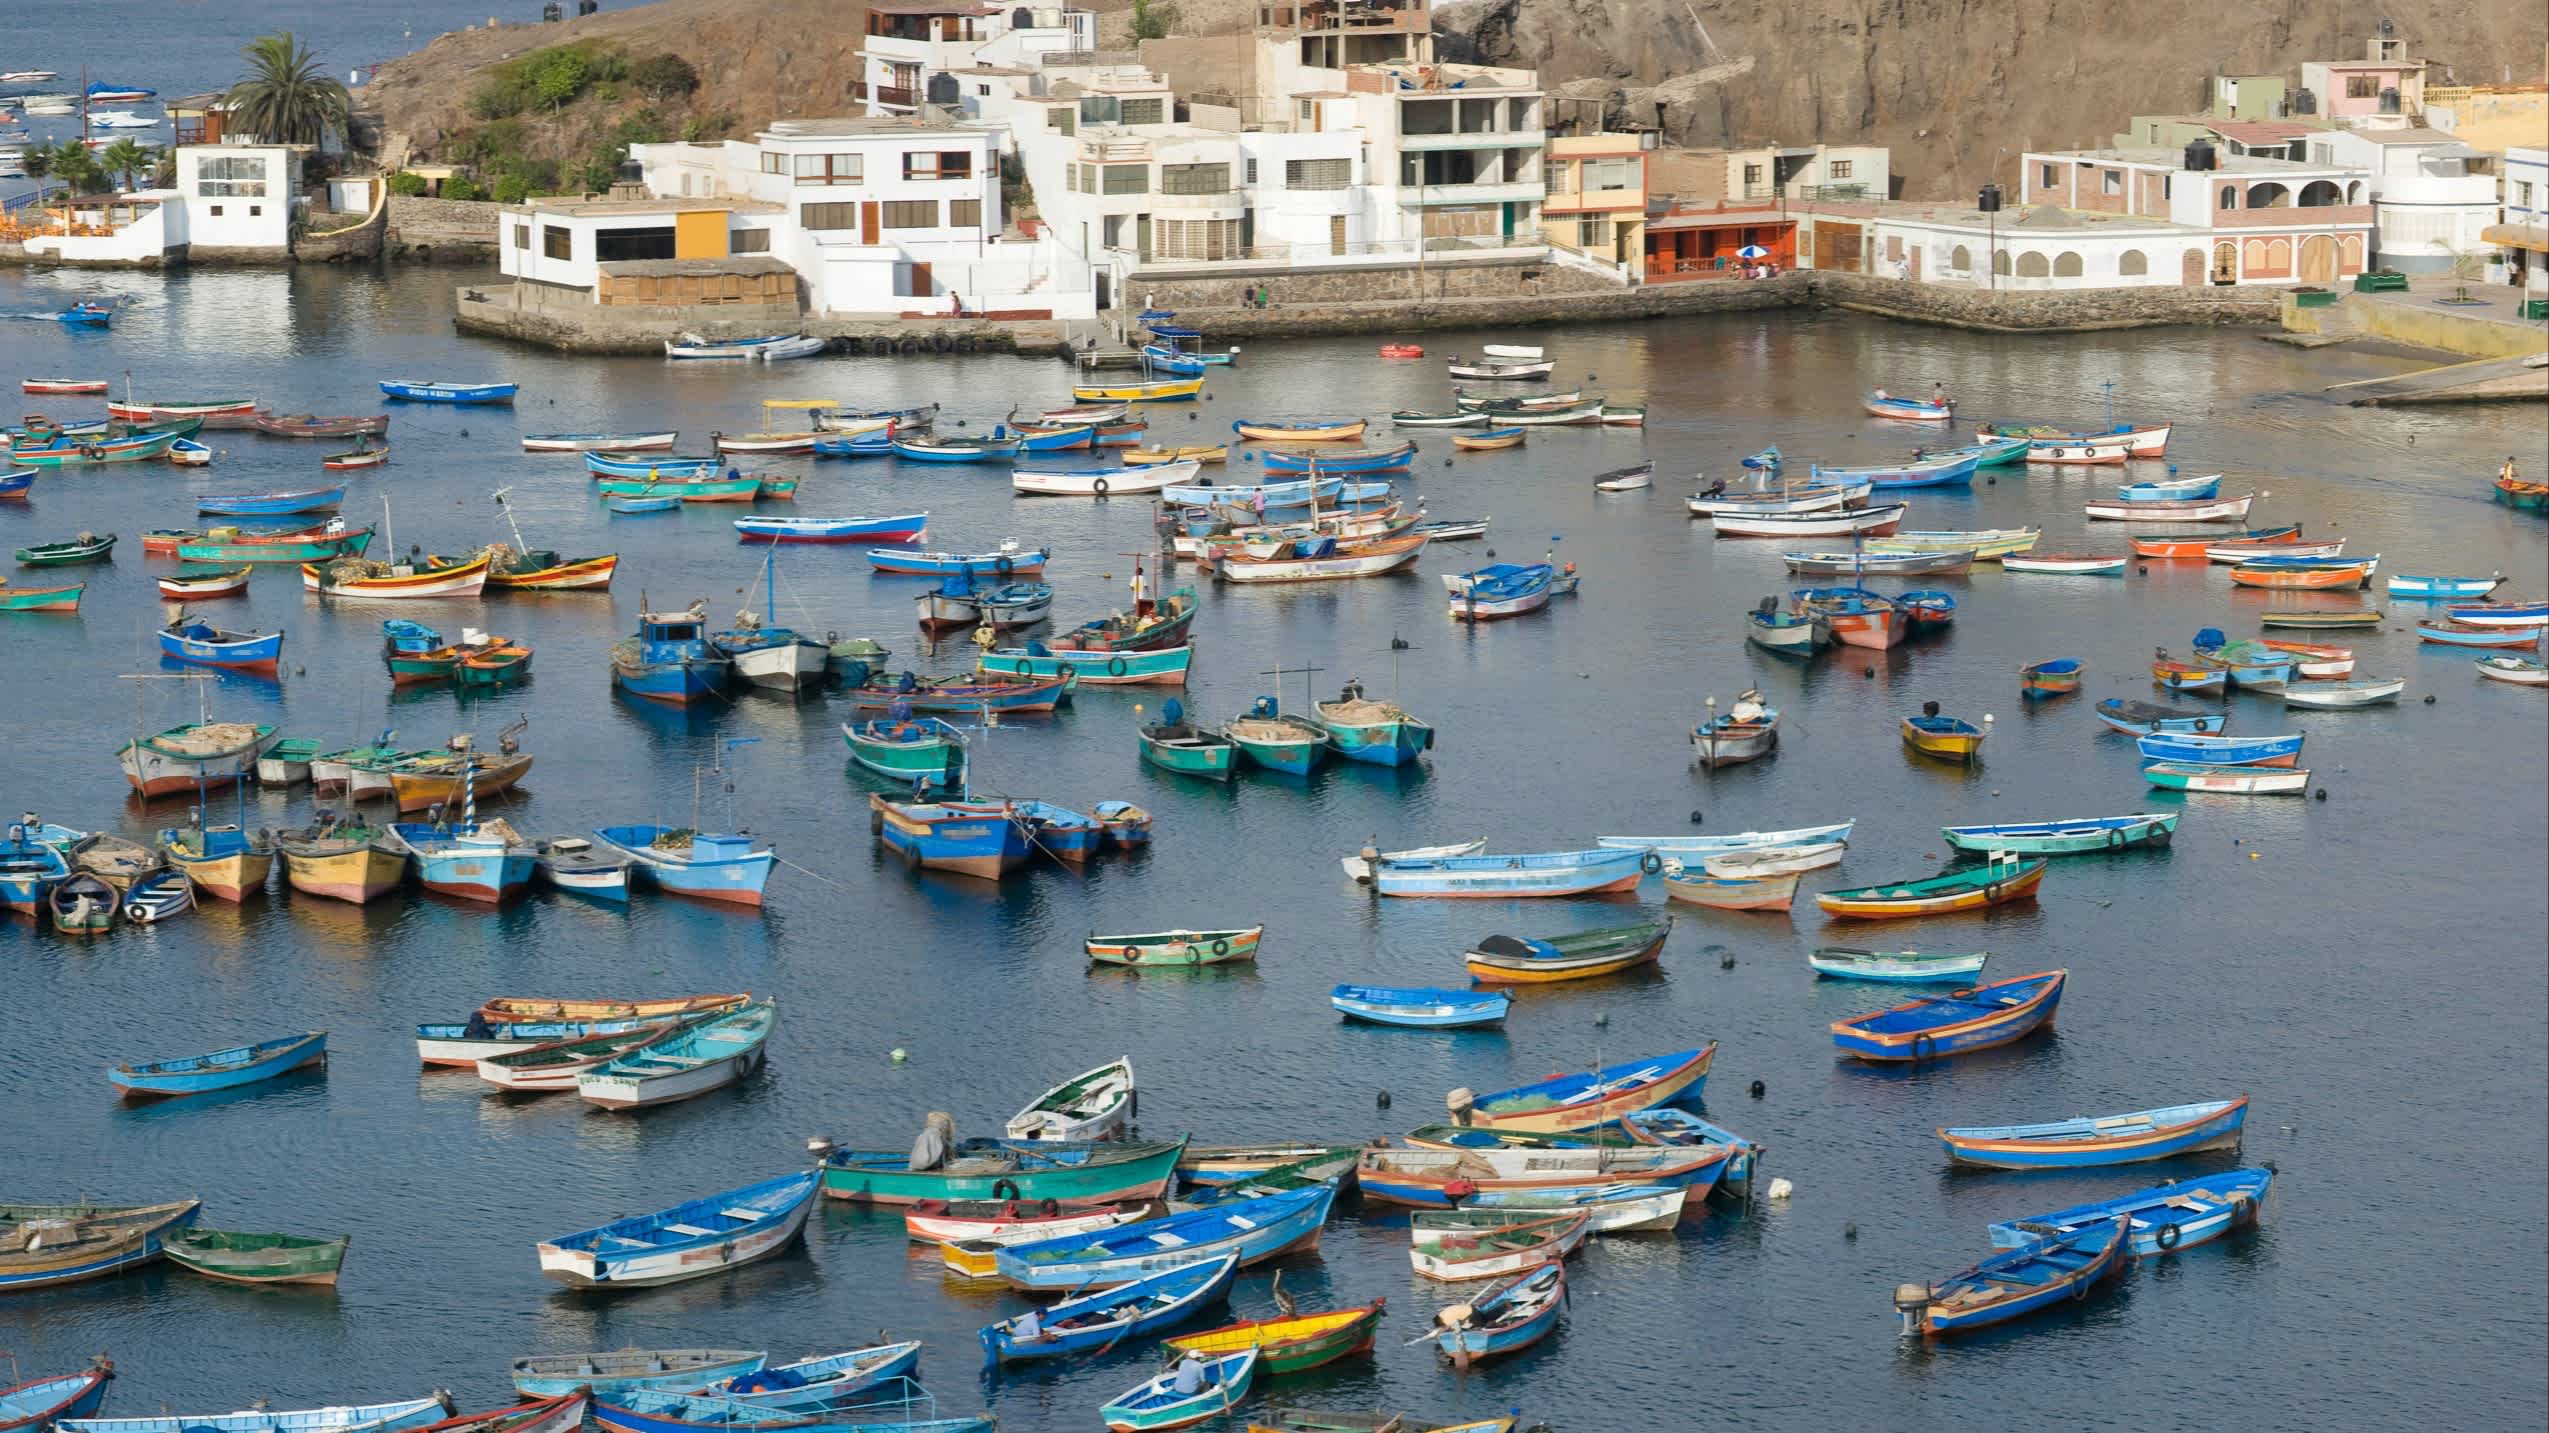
x=2352 y=574
x=2170 y=544
x=1402 y=350
x=163 y=542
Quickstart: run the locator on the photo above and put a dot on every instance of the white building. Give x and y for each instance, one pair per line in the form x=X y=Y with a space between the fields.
x=2522 y=230
x=231 y=201
x=2433 y=197
x=912 y=41
x=2265 y=221
x=2043 y=248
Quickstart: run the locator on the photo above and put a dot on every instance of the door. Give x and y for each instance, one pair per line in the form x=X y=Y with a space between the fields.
x=2190 y=270
x=922 y=285
x=2225 y=263
x=867 y=222
x=2318 y=259
x=1336 y=235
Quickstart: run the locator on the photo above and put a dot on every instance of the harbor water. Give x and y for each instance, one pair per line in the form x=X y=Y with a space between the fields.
x=2368 y=967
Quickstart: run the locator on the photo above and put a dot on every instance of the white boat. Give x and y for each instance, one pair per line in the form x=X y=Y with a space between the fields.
x=1989 y=544
x=1103 y=482
x=2369 y=691
x=1740 y=841
x=688 y=1241
x=1443 y=1244
x=1094 y=1105
x=1359 y=866
x=800 y=346
x=120 y=119
x=598 y=442
x=198 y=754
x=2066 y=564
x=1610 y=1208
x=339 y=1418
x=2517 y=670
x=801 y=441
x=1773 y=860
x=1874 y=521
x=712 y=1054
x=1626 y=480
x=28 y=77
x=940 y=1229
x=782 y=666
x=1497 y=370
x=1524 y=352
x=1895 y=967
x=2198 y=510
x=1803 y=500
x=742 y=350
x=1367 y=558
x=2079 y=454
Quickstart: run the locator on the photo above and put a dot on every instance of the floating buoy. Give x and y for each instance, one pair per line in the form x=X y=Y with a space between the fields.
x=1602 y=1020
x=1726 y=962
x=2256 y=855
x=464 y=432
x=1381 y=1100
x=1399 y=643
x=2319 y=795
x=1759 y=1089
x=1850 y=1231
x=1780 y=1189
x=899 y=1055
x=1992 y=482
x=1694 y=818
x=1867 y=671
x=2429 y=699
x=2144 y=569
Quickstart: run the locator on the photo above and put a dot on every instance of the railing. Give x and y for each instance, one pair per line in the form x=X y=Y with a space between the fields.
x=1318 y=253
x=896 y=95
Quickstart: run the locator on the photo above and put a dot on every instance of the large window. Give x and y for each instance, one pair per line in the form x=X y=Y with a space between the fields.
x=1318 y=173
x=2133 y=263
x=232 y=176
x=557 y=243
x=1127 y=179
x=964 y=213
x=1101 y=109
x=1065 y=119
x=1197 y=239
x=1150 y=111
x=830 y=168
x=911 y=214
x=936 y=164
x=611 y=246
x=750 y=241
x=829 y=216
x=1194 y=178
x=1592 y=233
x=2362 y=87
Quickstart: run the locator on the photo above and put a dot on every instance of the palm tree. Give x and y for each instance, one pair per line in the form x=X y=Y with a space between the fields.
x=124 y=159
x=77 y=167
x=286 y=98
x=38 y=162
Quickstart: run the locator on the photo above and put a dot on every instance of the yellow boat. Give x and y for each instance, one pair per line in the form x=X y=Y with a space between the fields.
x=355 y=875
x=1946 y=738
x=437 y=780
x=971 y=1258
x=518 y=1009
x=1291 y=1343
x=1483 y=442
x=1299 y=432
x=1208 y=454
x=1163 y=391
x=230 y=876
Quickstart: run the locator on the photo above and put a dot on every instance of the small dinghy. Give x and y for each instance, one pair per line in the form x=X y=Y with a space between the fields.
x=1626 y=480
x=158 y=896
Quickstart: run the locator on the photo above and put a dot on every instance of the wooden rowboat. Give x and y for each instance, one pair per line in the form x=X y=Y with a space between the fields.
x=2066 y=838
x=1584 y=1100
x=2091 y=1141
x=1840 y=962
x=1937 y=1026
x=1452 y=1245
x=2320 y=617
x=2041 y=1274
x=2227 y=780
x=2159 y=1220
x=1993 y=884
x=1735 y=893
x=222 y=1069
x=1488 y=439
x=257 y=1258
x=1175 y=948
x=1293 y=1342
x=1945 y=738
x=1577 y=956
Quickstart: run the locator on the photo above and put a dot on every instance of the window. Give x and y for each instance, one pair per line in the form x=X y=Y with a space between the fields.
x=1752 y=175
x=1126 y=179
x=982 y=89
x=612 y=246
x=829 y=216
x=1840 y=168
x=2032 y=265
x=2110 y=181
x=557 y=243
x=2164 y=186
x=2000 y=263
x=522 y=236
x=1592 y=232
x=2066 y=266
x=1151 y=111
x=1064 y=119
x=752 y=241
x=233 y=177
x=1251 y=172
x=2362 y=87
x=2048 y=177
x=911 y=214
x=964 y=213
x=1194 y=178
x=830 y=168
x=1100 y=109
x=2522 y=194
x=1197 y=239
x=773 y=162
x=938 y=164
x=2230 y=196
x=1609 y=175
x=1318 y=173
x=216 y=211
x=255 y=209
x=1960 y=260
x=2133 y=263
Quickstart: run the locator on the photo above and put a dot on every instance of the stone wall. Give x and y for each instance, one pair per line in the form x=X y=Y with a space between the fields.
x=571 y=322
x=442 y=230
x=2037 y=311
x=1513 y=305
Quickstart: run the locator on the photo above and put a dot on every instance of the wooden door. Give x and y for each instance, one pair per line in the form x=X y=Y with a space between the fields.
x=867 y=222
x=1336 y=235
x=2318 y=259
x=2225 y=263
x=922 y=287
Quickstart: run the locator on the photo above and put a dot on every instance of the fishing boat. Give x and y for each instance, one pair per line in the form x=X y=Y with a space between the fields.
x=1374 y=732
x=1346 y=461
x=1589 y=1099
x=1499 y=370
x=197 y=584
x=1508 y=1318
x=1292 y=1342
x=1885 y=405
x=708 y=866
x=996 y=1223
x=1945 y=738
x=360 y=456
x=157 y=896
x=971 y=694
x=2296 y=576
x=60 y=385
x=2214 y=509
x=631 y=1370
x=193 y=756
x=68 y=450
x=2160 y=1220
x=2515 y=493
x=2500 y=614
x=1747 y=731
x=1296 y=1420
x=1700 y=846
x=1175 y=947
x=1170 y=390
x=198 y=643
x=2432 y=588
x=1009 y=560
x=2227 y=780
x=2043 y=1273
x=2188 y=676
x=87 y=547
x=1359 y=866
x=1255 y=1229
x=982 y=839
x=310 y=500
x=1839 y=962
x=418 y=390
x=1036 y=661
x=1125 y=481
x=256 y=1258
x=2089 y=1141
x=220 y=1070
x=1798 y=498
x=2315 y=662
x=82 y=904
x=598 y=442
x=1991 y=544
x=1454 y=1245
x=482 y=1038
x=42 y=1245
x=1873 y=564
x=412 y=1415
x=496 y=664
x=1262 y=430
x=2450 y=633
x=1265 y=736
x=2290 y=552
x=670 y=659
x=1421 y=1007
x=1488 y=439
x=2319 y=617
x=554 y=1067
x=1920 y=472
x=353 y=577
x=2371 y=691
x=2171 y=489
x=1934 y=1027
x=187 y=453
x=33 y=1406
x=15 y=486
x=1101 y=1320
x=1175 y=744
x=2059 y=676
x=1787 y=633
x=30 y=867
x=693 y=347
x=990 y=1169
x=1557 y=873
x=922 y=751
x=1867 y=522
x=323 y=543
x=222 y=861
x=651 y=467
x=688 y=1241
x=708 y=1055
x=2066 y=838
x=2067 y=564
x=1616 y=1208
x=1504 y=589
x=1630 y=479
x=2190 y=748
x=464 y=859
x=1094 y=1105
x=2174 y=545
x=1156 y=457
x=2084 y=455
x=1500 y=959
x=2516 y=670
x=1996 y=883
x=1220 y=1385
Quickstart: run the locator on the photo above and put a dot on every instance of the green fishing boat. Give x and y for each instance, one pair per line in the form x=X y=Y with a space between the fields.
x=1065 y=1171
x=225 y=544
x=920 y=751
x=256 y=1258
x=497 y=664
x=1176 y=947
x=688 y=489
x=87 y=547
x=41 y=599
x=2067 y=838
x=1176 y=744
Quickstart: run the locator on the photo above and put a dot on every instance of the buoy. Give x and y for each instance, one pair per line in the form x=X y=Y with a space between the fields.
x=1447 y=462
x=899 y=1055
x=464 y=432
x=1850 y=1231
x=1992 y=482
x=1726 y=962
x=2253 y=855
x=2429 y=699
x=1382 y=1100
x=1694 y=818
x=1867 y=671
x=2144 y=569
x=1602 y=1020
x=1780 y=1189
x=2319 y=795
x=1758 y=1089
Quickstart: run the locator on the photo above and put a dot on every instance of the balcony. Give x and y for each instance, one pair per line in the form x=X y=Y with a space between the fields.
x=1528 y=191
x=1229 y=199
x=1480 y=139
x=2293 y=216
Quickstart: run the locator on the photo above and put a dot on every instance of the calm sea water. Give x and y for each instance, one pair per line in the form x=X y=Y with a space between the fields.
x=2370 y=968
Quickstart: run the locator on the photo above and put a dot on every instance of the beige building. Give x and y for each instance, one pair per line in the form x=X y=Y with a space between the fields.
x=1597 y=196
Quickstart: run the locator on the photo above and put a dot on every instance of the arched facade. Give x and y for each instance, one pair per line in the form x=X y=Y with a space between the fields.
x=2318 y=259
x=2319 y=193
x=1960 y=260
x=2066 y=265
x=2267 y=194
x=2350 y=254
x=2000 y=262
x=2032 y=265
x=2225 y=262
x=2133 y=263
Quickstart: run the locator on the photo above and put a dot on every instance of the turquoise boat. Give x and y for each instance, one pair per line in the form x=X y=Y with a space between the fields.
x=2066 y=838
x=358 y=1418
x=1381 y=733
x=1162 y=666
x=1175 y=744
x=222 y=1069
x=1067 y=1171
x=1220 y=1385
x=920 y=751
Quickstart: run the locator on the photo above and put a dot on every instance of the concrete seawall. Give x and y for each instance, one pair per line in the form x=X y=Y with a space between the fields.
x=448 y=231
x=2061 y=311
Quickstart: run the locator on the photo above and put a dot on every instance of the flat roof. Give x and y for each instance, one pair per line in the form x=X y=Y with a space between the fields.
x=2176 y=159
x=926 y=7
x=2260 y=131
x=857 y=127
x=661 y=268
x=2405 y=136
x=608 y=208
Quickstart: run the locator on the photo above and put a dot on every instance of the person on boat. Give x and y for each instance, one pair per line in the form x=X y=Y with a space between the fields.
x=2505 y=474
x=1028 y=1327
x=478 y=1028
x=1938 y=395
x=1189 y=1377
x=1716 y=487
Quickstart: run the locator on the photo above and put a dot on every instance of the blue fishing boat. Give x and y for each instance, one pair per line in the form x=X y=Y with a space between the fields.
x=32 y=1407
x=1165 y=359
x=955 y=450
x=2435 y=589
x=1008 y=561
x=354 y=1418
x=1508 y=1318
x=1505 y=589
x=1161 y=666
x=653 y=465
x=29 y=870
x=1254 y=1229
x=1352 y=460
x=2284 y=750
x=418 y=390
x=1327 y=492
x=814 y=1385
x=466 y=860
x=708 y=865
x=1217 y=1386
x=1056 y=831
x=2145 y=718
x=1588 y=1099
x=631 y=1370
x=1423 y=1007
x=2038 y=1275
x=670 y=659
x=920 y=751
x=2094 y=1141
x=90 y=313
x=1550 y=873
x=1377 y=733
x=2174 y=490
x=2160 y=1220
x=973 y=838
x=895 y=1405
x=198 y=643
x=1673 y=1125
x=16 y=485
x=84 y=1241
x=633 y=507
x=1104 y=1319
x=688 y=1241
x=312 y=500
x=1939 y=472
x=2066 y=838
x=1935 y=1027
x=876 y=444
x=222 y=1069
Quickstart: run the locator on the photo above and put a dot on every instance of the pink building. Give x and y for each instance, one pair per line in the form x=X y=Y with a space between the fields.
x=2368 y=91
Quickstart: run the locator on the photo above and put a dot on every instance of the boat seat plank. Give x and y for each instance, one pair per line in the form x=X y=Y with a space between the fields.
x=692 y=1231
x=747 y=1216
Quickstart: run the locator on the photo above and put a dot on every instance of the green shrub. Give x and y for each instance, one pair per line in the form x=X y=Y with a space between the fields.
x=1153 y=22
x=664 y=76
x=460 y=186
x=406 y=183
x=700 y=128
x=560 y=75
x=512 y=189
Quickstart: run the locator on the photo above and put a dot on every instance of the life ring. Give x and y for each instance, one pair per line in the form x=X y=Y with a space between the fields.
x=1005 y=1189
x=2080 y=1290
x=1117 y=666
x=1101 y=487
x=2243 y=1210
x=1051 y=1207
x=1924 y=1047
x=2169 y=1235
x=1003 y=566
x=1650 y=863
x=1221 y=947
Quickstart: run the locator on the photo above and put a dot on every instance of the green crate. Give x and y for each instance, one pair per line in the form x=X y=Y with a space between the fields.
x=2314 y=298
x=2380 y=283
x=2535 y=308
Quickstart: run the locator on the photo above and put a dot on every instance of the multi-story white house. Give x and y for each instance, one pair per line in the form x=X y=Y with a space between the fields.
x=2251 y=220
x=2432 y=196
x=911 y=41
x=2522 y=228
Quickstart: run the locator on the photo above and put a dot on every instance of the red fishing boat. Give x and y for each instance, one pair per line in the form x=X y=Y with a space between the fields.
x=2194 y=545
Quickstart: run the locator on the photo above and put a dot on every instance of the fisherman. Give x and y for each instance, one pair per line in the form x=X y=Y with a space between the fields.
x=1029 y=1327
x=2505 y=474
x=1715 y=487
x=478 y=1028
x=1189 y=1377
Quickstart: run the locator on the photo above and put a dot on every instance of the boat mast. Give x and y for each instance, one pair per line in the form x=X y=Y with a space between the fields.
x=520 y=544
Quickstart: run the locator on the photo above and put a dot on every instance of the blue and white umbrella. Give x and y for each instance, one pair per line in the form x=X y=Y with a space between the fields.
x=1752 y=251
